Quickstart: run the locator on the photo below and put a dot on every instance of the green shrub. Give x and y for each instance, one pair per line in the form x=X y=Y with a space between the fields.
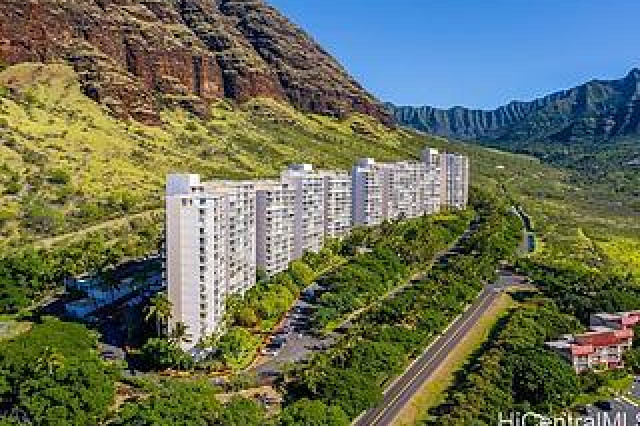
x=161 y=354
x=59 y=176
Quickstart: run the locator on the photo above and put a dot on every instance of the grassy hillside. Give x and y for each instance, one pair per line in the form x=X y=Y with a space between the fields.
x=66 y=165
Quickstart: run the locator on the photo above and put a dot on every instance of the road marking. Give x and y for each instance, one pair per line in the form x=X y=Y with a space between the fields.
x=437 y=336
x=428 y=362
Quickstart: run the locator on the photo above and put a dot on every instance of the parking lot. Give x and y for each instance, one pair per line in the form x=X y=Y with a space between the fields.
x=293 y=341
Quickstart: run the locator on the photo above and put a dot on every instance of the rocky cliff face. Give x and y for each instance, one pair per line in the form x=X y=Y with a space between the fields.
x=595 y=110
x=136 y=55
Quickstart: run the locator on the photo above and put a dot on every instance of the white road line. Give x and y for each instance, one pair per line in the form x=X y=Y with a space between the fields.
x=430 y=360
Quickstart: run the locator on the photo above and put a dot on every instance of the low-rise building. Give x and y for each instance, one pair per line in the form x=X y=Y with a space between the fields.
x=603 y=346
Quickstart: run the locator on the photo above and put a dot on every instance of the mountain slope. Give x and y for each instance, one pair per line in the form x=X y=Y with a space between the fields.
x=67 y=164
x=138 y=56
x=597 y=110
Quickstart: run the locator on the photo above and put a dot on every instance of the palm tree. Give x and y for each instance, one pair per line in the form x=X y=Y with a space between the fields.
x=159 y=309
x=179 y=332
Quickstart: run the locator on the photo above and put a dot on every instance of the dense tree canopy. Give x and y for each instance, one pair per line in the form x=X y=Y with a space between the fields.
x=52 y=375
x=174 y=403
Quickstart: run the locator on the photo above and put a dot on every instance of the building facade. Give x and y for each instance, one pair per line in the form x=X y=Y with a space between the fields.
x=308 y=212
x=337 y=203
x=367 y=196
x=403 y=190
x=239 y=207
x=210 y=250
x=603 y=346
x=274 y=225
x=195 y=256
x=455 y=180
x=432 y=186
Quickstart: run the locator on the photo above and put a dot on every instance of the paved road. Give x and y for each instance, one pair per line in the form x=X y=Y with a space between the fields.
x=400 y=392
x=635 y=387
x=627 y=413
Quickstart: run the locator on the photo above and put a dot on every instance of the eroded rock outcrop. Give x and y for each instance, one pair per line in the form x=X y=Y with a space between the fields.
x=137 y=55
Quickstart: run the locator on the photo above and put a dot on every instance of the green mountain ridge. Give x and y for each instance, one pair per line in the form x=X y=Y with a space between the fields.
x=593 y=128
x=597 y=110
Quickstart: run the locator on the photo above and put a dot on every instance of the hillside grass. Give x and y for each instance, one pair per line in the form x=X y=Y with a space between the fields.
x=67 y=165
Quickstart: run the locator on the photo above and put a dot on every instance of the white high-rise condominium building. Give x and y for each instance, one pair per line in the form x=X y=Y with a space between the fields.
x=218 y=233
x=210 y=250
x=367 y=196
x=433 y=186
x=308 y=222
x=239 y=199
x=337 y=203
x=455 y=180
x=274 y=225
x=403 y=189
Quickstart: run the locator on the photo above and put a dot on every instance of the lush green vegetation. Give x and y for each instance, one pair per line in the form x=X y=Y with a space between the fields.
x=514 y=372
x=172 y=402
x=163 y=354
x=29 y=273
x=63 y=156
x=67 y=166
x=52 y=375
x=381 y=343
x=581 y=291
x=394 y=252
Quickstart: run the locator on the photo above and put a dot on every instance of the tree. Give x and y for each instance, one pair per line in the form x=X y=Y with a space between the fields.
x=236 y=346
x=173 y=403
x=246 y=317
x=543 y=379
x=242 y=412
x=302 y=274
x=180 y=333
x=159 y=309
x=161 y=354
x=632 y=360
x=313 y=413
x=52 y=375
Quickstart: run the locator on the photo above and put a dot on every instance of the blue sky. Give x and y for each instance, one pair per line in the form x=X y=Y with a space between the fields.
x=476 y=53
